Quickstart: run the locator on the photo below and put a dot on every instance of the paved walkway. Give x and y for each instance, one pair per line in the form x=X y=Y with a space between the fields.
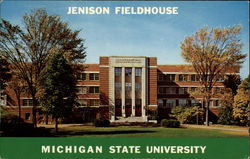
x=237 y=129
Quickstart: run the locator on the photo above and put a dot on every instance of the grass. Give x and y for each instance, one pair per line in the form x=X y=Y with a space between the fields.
x=137 y=131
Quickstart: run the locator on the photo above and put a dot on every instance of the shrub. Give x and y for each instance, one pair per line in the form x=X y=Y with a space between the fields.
x=226 y=116
x=12 y=125
x=188 y=115
x=102 y=122
x=170 y=123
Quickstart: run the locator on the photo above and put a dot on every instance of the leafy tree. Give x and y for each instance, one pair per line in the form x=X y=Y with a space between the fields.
x=211 y=52
x=58 y=88
x=29 y=48
x=241 y=102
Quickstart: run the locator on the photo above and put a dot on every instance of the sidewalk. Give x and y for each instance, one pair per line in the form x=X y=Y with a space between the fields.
x=217 y=127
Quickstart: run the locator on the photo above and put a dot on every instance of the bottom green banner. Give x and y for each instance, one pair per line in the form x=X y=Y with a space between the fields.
x=134 y=148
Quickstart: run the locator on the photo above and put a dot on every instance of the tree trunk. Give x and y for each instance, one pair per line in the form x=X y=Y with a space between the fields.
x=19 y=107
x=207 y=112
x=46 y=119
x=34 y=110
x=56 y=125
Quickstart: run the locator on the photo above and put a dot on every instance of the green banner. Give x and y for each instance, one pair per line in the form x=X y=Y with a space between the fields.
x=166 y=148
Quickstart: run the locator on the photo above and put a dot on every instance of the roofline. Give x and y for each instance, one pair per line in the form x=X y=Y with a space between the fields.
x=131 y=56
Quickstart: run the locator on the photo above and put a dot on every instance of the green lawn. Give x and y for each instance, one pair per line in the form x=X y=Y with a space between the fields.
x=137 y=131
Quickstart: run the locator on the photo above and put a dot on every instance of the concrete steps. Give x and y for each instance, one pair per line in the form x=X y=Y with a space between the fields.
x=130 y=120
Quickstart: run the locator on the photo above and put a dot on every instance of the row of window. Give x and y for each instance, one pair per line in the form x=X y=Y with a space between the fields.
x=88 y=76
x=169 y=103
x=128 y=71
x=89 y=102
x=181 y=77
x=183 y=90
x=87 y=89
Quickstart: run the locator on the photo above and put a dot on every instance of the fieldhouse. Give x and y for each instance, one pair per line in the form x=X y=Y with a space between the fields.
x=146 y=10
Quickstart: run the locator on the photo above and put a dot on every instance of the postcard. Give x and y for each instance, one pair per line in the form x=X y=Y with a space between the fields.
x=124 y=79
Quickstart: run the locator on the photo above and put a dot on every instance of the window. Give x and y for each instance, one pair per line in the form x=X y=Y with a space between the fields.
x=194 y=78
x=220 y=79
x=118 y=86
x=118 y=71
x=183 y=90
x=217 y=103
x=128 y=102
x=128 y=86
x=118 y=102
x=82 y=102
x=193 y=89
x=82 y=90
x=94 y=76
x=195 y=102
x=3 y=99
x=137 y=86
x=162 y=77
x=218 y=90
x=171 y=90
x=183 y=102
x=27 y=102
x=170 y=103
x=128 y=71
x=183 y=77
x=170 y=77
x=94 y=102
x=162 y=90
x=27 y=116
x=93 y=89
x=160 y=102
x=81 y=76
x=138 y=72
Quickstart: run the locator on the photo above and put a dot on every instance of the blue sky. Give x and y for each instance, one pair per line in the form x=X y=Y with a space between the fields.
x=141 y=35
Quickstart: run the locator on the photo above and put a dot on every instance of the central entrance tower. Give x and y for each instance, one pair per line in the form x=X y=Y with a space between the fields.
x=125 y=90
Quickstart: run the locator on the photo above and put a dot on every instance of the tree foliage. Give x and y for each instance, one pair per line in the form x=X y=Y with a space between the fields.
x=188 y=115
x=4 y=72
x=28 y=48
x=212 y=52
x=57 y=87
x=241 y=108
x=232 y=82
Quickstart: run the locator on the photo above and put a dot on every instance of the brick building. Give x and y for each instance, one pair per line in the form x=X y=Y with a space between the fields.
x=130 y=88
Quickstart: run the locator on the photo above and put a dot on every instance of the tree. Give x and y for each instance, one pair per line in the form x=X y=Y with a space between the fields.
x=232 y=82
x=241 y=108
x=226 y=110
x=29 y=48
x=211 y=53
x=57 y=88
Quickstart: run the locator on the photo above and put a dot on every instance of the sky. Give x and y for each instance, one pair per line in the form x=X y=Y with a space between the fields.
x=141 y=35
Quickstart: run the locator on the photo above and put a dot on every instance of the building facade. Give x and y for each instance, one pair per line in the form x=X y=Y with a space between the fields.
x=131 y=88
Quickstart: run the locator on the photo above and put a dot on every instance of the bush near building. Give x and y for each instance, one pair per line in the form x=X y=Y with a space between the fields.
x=102 y=122
x=188 y=115
x=170 y=123
x=226 y=116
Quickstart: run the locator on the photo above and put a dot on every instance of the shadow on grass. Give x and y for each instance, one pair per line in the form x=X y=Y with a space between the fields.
x=83 y=133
